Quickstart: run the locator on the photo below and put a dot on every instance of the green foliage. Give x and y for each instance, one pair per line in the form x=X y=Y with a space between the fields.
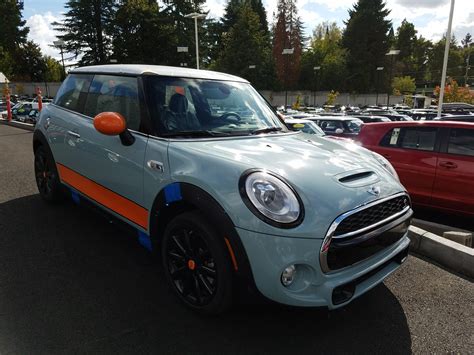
x=235 y=58
x=366 y=39
x=325 y=51
x=29 y=64
x=12 y=27
x=403 y=85
x=141 y=34
x=86 y=29
x=54 y=70
x=455 y=61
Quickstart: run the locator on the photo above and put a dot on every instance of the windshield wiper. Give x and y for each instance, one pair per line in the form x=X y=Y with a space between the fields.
x=205 y=133
x=266 y=130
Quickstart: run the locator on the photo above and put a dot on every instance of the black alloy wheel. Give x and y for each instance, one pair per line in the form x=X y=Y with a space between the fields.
x=46 y=175
x=196 y=264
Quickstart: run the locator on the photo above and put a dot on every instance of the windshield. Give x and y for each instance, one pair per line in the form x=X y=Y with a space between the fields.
x=354 y=126
x=306 y=127
x=200 y=108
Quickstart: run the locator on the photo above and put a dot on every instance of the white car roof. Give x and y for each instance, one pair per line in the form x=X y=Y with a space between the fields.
x=139 y=69
x=297 y=120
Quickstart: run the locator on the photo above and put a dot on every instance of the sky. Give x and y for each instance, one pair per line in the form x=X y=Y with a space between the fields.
x=430 y=17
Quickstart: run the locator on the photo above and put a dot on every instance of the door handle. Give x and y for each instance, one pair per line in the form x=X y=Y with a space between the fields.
x=448 y=165
x=74 y=134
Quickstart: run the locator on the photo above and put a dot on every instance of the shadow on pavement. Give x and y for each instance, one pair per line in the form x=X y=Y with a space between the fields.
x=70 y=281
x=448 y=219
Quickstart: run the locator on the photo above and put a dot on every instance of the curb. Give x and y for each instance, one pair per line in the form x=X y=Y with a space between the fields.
x=447 y=253
x=26 y=126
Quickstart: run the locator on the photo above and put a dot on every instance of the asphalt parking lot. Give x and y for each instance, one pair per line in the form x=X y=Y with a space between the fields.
x=71 y=282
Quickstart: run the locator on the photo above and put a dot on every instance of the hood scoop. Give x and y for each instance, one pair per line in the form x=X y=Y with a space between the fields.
x=357 y=178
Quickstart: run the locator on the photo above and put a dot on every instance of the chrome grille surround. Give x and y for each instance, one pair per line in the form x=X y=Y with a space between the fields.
x=367 y=231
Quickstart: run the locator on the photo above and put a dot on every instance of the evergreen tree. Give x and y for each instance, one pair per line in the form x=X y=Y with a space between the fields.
x=366 y=39
x=455 y=67
x=232 y=8
x=141 y=34
x=29 y=64
x=287 y=33
x=175 y=11
x=12 y=27
x=246 y=44
x=86 y=29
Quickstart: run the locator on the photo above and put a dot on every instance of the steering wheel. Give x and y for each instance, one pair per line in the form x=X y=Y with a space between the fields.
x=230 y=114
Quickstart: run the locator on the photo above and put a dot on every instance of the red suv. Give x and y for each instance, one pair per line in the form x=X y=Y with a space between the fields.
x=434 y=160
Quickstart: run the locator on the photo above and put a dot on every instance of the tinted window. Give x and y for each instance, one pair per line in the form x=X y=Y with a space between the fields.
x=461 y=141
x=420 y=138
x=73 y=92
x=109 y=93
x=331 y=126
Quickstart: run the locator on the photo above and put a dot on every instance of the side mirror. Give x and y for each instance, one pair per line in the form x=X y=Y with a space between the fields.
x=113 y=124
x=339 y=131
x=110 y=123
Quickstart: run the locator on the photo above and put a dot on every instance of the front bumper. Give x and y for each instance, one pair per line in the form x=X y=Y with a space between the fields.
x=269 y=255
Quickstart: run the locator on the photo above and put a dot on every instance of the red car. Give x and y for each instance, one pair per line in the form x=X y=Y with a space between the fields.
x=434 y=160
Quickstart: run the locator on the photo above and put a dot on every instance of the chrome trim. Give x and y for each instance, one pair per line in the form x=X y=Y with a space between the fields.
x=383 y=221
x=395 y=219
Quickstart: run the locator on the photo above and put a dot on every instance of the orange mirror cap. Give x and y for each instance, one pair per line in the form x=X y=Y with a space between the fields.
x=110 y=123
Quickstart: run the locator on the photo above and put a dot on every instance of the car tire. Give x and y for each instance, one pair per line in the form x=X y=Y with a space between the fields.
x=47 y=177
x=196 y=264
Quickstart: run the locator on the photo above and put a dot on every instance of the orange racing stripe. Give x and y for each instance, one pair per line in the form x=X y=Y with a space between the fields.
x=120 y=205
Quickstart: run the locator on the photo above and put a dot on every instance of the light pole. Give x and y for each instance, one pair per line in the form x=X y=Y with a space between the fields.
x=316 y=71
x=445 y=60
x=391 y=53
x=287 y=51
x=196 y=16
x=466 y=76
x=60 y=44
x=377 y=85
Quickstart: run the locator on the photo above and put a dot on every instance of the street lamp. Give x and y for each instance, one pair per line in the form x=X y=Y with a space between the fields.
x=316 y=71
x=60 y=44
x=377 y=86
x=196 y=16
x=392 y=53
x=287 y=51
x=445 y=59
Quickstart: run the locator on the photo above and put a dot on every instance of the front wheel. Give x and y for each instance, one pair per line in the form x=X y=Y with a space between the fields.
x=196 y=264
x=46 y=174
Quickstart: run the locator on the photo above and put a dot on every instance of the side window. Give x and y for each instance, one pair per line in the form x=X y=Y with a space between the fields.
x=73 y=92
x=419 y=138
x=461 y=141
x=109 y=93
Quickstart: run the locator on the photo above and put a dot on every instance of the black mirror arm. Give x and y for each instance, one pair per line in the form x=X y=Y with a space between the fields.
x=127 y=138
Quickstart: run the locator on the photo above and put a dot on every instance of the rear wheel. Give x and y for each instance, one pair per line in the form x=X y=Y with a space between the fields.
x=196 y=264
x=46 y=174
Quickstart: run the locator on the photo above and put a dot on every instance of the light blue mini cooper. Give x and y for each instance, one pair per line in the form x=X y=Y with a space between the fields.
x=198 y=163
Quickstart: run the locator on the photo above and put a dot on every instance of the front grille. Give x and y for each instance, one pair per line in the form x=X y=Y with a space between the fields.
x=372 y=215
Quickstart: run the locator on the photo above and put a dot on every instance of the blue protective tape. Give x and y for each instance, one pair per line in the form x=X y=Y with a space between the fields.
x=75 y=197
x=173 y=193
x=144 y=240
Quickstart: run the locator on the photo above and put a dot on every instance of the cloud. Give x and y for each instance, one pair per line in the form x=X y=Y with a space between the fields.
x=42 y=32
x=422 y=3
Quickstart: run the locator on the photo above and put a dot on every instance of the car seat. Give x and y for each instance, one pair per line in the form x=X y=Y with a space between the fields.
x=177 y=117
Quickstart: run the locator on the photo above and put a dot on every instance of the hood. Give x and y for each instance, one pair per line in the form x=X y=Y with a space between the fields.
x=331 y=176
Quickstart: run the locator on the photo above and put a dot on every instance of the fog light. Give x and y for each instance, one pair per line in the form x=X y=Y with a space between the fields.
x=288 y=275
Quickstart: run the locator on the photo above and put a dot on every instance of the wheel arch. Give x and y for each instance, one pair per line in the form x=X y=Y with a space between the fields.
x=39 y=139
x=180 y=197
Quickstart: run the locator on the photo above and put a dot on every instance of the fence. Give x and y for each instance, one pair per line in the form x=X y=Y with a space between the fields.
x=308 y=98
x=18 y=88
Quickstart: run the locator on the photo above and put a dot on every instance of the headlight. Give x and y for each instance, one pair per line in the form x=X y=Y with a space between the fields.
x=386 y=164
x=271 y=199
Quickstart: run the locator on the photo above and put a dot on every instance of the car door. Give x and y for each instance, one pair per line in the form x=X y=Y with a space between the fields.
x=60 y=123
x=102 y=168
x=454 y=182
x=413 y=153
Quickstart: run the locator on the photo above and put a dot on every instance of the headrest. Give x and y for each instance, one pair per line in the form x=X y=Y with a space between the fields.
x=178 y=103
